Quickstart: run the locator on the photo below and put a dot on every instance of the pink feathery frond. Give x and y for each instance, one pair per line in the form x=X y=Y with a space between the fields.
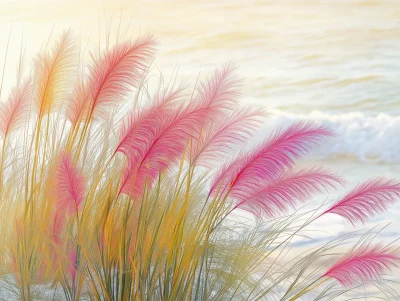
x=277 y=196
x=145 y=120
x=157 y=145
x=221 y=89
x=54 y=71
x=160 y=141
x=13 y=112
x=220 y=137
x=365 y=264
x=366 y=200
x=70 y=185
x=266 y=162
x=118 y=70
x=79 y=105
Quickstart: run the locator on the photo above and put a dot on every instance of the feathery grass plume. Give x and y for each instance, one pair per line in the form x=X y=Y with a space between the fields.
x=138 y=124
x=70 y=186
x=69 y=191
x=365 y=264
x=12 y=114
x=54 y=72
x=120 y=207
x=114 y=73
x=267 y=161
x=79 y=105
x=220 y=89
x=161 y=145
x=221 y=136
x=14 y=111
x=274 y=197
x=364 y=201
x=161 y=139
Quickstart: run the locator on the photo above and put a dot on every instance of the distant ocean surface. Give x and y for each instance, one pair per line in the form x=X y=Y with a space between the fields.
x=333 y=62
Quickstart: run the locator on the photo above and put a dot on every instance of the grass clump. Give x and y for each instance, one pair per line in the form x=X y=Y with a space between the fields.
x=112 y=189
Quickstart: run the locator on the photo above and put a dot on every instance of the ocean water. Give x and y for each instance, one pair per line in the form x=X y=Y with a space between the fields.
x=332 y=62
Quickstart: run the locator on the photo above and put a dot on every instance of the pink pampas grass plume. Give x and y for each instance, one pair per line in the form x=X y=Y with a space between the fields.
x=277 y=196
x=114 y=73
x=365 y=264
x=70 y=185
x=364 y=201
x=266 y=162
x=13 y=112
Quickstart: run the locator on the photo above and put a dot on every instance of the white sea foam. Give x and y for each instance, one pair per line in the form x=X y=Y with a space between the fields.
x=368 y=138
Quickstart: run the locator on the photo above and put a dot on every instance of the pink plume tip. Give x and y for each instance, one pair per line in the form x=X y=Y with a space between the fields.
x=118 y=70
x=70 y=185
x=366 y=200
x=365 y=264
x=267 y=161
x=12 y=112
x=277 y=196
x=220 y=89
x=219 y=137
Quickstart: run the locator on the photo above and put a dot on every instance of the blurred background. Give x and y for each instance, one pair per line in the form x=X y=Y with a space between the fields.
x=332 y=62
